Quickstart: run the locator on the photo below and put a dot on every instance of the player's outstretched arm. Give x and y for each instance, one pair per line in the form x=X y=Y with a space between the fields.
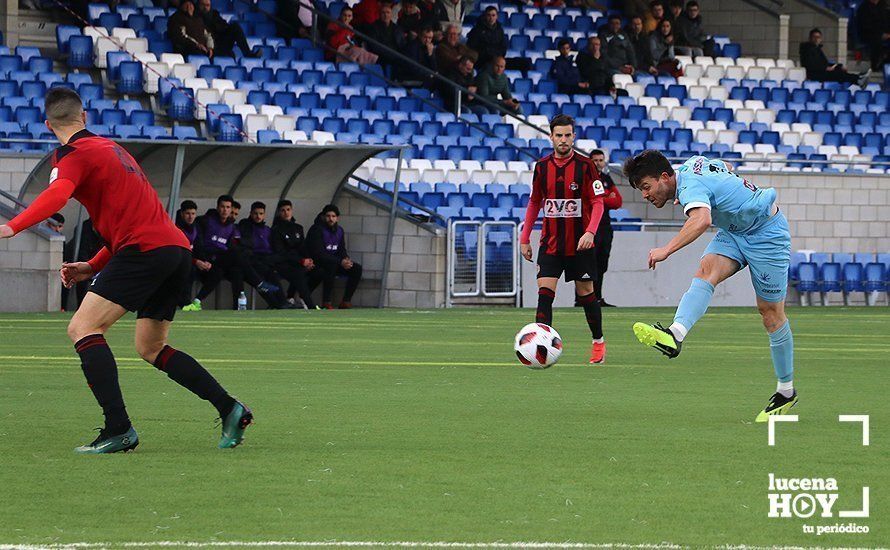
x=45 y=205
x=697 y=223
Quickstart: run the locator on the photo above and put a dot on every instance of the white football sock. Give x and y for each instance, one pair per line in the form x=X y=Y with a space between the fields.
x=679 y=331
x=785 y=388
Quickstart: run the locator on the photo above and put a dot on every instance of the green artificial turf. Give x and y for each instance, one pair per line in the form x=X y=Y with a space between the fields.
x=421 y=426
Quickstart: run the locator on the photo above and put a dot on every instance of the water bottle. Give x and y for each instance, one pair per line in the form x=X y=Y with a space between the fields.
x=242 y=302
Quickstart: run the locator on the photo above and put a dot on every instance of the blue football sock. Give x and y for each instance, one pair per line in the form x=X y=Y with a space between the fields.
x=781 y=347
x=693 y=305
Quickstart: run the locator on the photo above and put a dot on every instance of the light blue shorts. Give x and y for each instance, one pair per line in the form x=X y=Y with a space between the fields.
x=766 y=249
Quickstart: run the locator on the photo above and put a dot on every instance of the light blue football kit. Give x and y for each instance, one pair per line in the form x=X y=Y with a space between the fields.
x=749 y=233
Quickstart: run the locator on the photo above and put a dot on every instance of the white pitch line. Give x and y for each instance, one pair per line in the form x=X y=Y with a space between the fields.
x=328 y=543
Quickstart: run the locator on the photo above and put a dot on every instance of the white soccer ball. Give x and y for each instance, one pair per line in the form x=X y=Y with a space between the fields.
x=538 y=346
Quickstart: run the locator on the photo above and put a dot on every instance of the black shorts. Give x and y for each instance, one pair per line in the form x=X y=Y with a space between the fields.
x=580 y=267
x=149 y=283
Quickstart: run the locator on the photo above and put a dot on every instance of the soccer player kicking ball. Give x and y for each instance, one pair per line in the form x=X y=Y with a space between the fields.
x=751 y=232
x=567 y=185
x=143 y=267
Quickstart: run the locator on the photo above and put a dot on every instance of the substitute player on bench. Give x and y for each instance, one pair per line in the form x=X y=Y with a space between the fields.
x=567 y=185
x=143 y=267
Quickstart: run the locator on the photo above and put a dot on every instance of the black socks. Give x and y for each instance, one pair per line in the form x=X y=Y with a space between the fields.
x=545 y=306
x=594 y=314
x=100 y=370
x=188 y=373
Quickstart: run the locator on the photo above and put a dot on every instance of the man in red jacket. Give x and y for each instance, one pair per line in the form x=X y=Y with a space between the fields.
x=142 y=267
x=603 y=241
x=567 y=185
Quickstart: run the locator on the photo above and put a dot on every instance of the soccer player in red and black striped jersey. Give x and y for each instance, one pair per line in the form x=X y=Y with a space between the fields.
x=142 y=267
x=567 y=185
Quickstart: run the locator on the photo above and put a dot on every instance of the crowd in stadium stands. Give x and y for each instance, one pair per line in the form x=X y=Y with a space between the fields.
x=430 y=34
x=249 y=251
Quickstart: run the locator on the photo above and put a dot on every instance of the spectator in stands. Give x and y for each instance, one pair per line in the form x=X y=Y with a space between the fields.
x=216 y=245
x=256 y=245
x=341 y=38
x=423 y=52
x=565 y=72
x=619 y=52
x=602 y=241
x=185 y=221
x=873 y=24
x=429 y=10
x=814 y=60
x=661 y=50
x=188 y=33
x=452 y=12
x=412 y=20
x=451 y=50
x=366 y=12
x=463 y=76
x=388 y=34
x=487 y=38
x=595 y=69
x=326 y=244
x=492 y=83
x=225 y=35
x=675 y=10
x=640 y=42
x=289 y=243
x=656 y=14
x=294 y=19
x=691 y=38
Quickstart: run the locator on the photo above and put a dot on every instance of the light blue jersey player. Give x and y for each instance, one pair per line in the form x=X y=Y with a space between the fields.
x=751 y=232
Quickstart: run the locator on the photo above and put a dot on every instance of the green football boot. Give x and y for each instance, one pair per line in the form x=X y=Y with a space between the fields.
x=194 y=306
x=234 y=424
x=658 y=337
x=105 y=443
x=778 y=404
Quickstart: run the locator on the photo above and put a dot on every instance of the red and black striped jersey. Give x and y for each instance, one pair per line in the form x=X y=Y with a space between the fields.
x=571 y=194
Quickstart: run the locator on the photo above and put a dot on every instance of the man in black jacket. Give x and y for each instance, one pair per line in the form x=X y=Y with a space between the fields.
x=326 y=244
x=487 y=38
x=819 y=68
x=617 y=48
x=594 y=68
x=388 y=33
x=423 y=52
x=289 y=243
x=225 y=35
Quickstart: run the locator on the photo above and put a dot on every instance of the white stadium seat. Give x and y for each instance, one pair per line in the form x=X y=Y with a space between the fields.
x=183 y=71
x=255 y=123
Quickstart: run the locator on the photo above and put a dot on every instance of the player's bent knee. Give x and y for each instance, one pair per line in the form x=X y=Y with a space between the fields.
x=149 y=351
x=78 y=329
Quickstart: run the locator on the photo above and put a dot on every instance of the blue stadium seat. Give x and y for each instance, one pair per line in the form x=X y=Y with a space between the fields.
x=113 y=117
x=185 y=132
x=863 y=257
x=181 y=107
x=130 y=78
x=842 y=258
x=807 y=277
x=142 y=117
x=854 y=277
x=820 y=258
x=830 y=277
x=63 y=35
x=875 y=277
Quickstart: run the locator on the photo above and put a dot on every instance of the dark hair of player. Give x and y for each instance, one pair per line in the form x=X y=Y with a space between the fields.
x=648 y=163
x=561 y=120
x=258 y=204
x=284 y=202
x=63 y=106
x=330 y=208
x=188 y=204
x=597 y=152
x=225 y=198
